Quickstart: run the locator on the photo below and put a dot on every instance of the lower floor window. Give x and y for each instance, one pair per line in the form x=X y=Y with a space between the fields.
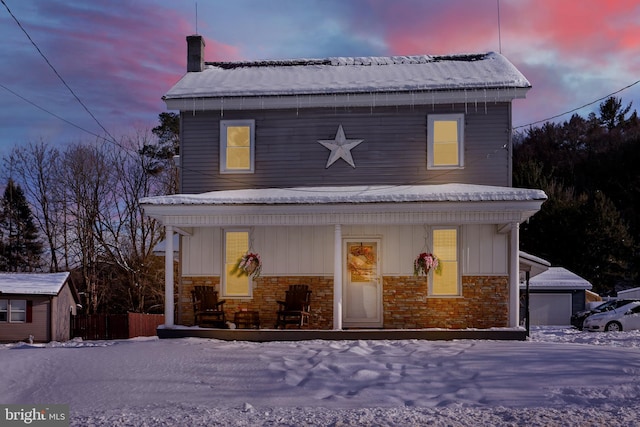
x=236 y=244
x=14 y=311
x=445 y=247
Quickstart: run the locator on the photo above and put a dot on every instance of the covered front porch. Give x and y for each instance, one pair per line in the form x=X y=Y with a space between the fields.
x=390 y=217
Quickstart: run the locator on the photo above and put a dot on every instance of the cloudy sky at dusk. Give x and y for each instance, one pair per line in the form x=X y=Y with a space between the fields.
x=120 y=57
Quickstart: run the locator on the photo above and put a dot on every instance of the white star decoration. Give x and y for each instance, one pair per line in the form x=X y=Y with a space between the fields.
x=340 y=147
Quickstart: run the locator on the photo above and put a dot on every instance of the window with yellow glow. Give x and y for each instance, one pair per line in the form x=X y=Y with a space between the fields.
x=236 y=244
x=236 y=146
x=445 y=247
x=445 y=141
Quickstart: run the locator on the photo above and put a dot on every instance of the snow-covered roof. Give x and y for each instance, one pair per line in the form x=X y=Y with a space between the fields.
x=532 y=259
x=361 y=75
x=533 y=264
x=32 y=283
x=353 y=194
x=629 y=293
x=557 y=278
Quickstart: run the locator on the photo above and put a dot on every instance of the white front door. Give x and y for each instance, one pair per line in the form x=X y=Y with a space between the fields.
x=362 y=295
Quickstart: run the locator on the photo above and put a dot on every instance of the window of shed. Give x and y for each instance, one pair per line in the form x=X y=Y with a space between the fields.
x=14 y=310
x=445 y=139
x=4 y=310
x=237 y=142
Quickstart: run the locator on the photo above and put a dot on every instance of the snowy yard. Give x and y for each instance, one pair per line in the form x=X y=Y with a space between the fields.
x=559 y=377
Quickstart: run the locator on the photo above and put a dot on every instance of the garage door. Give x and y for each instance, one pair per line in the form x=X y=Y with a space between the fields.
x=550 y=309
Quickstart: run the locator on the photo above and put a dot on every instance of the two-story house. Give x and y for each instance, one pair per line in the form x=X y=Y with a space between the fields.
x=339 y=172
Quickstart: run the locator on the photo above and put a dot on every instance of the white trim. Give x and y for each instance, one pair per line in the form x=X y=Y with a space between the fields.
x=363 y=322
x=338 y=100
x=445 y=213
x=337 y=278
x=514 y=276
x=224 y=124
x=168 y=278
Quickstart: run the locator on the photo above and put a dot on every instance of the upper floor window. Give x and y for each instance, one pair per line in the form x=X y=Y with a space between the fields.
x=445 y=247
x=236 y=244
x=237 y=146
x=445 y=140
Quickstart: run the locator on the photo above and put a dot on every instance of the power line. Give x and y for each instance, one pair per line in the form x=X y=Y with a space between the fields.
x=56 y=71
x=578 y=108
x=51 y=113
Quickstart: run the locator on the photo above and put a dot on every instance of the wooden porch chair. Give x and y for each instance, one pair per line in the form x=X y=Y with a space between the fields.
x=295 y=309
x=207 y=309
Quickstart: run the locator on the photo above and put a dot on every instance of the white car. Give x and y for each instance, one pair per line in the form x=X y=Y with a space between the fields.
x=624 y=318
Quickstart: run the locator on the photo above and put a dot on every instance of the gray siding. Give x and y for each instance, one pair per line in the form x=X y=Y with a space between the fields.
x=63 y=305
x=39 y=327
x=394 y=150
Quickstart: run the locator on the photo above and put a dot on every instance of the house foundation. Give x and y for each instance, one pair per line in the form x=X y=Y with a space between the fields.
x=406 y=303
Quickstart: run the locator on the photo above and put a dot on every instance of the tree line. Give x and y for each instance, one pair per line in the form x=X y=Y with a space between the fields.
x=589 y=168
x=76 y=208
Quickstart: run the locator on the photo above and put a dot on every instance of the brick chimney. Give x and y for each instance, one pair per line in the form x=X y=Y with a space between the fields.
x=195 y=53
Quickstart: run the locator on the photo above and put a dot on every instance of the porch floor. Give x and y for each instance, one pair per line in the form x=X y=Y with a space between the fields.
x=264 y=335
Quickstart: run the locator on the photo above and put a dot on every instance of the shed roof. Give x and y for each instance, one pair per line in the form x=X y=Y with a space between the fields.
x=558 y=278
x=32 y=283
x=339 y=75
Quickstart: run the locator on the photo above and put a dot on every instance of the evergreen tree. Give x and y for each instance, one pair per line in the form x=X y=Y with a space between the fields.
x=20 y=248
x=588 y=168
x=168 y=145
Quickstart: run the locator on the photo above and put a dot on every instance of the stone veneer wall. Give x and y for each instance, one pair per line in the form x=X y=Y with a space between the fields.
x=266 y=292
x=484 y=302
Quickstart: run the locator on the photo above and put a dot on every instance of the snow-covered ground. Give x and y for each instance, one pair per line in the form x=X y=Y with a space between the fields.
x=560 y=377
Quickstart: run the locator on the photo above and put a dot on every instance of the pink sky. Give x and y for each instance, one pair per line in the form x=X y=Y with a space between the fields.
x=121 y=57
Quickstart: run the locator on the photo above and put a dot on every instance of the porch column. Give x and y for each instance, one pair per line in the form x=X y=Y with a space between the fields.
x=168 y=277
x=514 y=277
x=337 y=278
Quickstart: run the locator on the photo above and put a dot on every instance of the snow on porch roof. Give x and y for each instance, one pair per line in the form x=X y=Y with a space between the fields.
x=32 y=283
x=340 y=75
x=353 y=194
x=556 y=278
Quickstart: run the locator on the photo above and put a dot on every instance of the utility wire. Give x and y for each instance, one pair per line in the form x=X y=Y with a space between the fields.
x=127 y=150
x=578 y=108
x=56 y=71
x=51 y=113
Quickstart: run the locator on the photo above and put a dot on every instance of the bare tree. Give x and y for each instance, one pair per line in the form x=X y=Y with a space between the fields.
x=37 y=166
x=126 y=234
x=85 y=200
x=86 y=182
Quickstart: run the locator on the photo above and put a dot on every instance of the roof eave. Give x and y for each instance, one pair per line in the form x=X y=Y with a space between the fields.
x=196 y=102
x=462 y=212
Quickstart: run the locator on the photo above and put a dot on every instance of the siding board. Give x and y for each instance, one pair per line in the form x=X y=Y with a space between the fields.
x=393 y=152
x=293 y=251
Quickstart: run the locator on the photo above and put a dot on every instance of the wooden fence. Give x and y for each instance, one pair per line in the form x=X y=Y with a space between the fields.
x=115 y=326
x=144 y=325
